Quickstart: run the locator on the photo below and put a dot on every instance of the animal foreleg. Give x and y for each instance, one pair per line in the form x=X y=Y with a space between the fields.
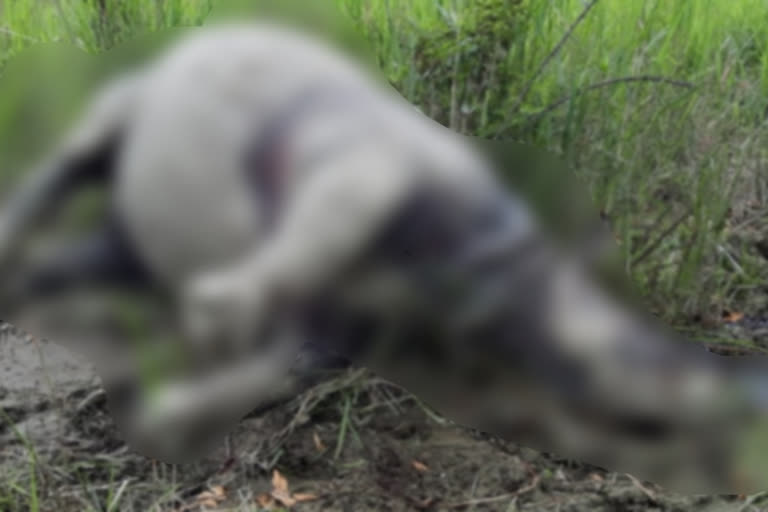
x=327 y=224
x=186 y=417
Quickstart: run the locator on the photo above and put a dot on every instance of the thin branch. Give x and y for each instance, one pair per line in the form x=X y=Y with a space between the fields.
x=645 y=490
x=655 y=244
x=503 y=497
x=735 y=264
x=552 y=54
x=606 y=83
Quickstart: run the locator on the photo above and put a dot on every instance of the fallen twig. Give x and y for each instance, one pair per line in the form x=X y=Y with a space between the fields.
x=502 y=497
x=606 y=83
x=645 y=490
x=552 y=55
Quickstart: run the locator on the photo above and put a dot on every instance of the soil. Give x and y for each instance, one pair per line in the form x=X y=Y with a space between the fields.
x=58 y=440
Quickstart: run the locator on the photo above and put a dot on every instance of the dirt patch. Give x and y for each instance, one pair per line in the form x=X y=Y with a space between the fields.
x=354 y=444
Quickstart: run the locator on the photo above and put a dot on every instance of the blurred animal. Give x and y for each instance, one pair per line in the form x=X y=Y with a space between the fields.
x=305 y=217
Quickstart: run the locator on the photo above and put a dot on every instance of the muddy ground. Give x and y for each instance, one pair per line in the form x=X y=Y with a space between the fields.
x=353 y=444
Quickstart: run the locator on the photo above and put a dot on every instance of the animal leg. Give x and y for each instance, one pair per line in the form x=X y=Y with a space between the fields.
x=186 y=417
x=328 y=224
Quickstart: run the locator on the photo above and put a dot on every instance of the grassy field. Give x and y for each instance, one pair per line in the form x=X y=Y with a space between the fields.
x=660 y=107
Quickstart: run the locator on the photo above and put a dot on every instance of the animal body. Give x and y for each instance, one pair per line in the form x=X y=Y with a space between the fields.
x=304 y=217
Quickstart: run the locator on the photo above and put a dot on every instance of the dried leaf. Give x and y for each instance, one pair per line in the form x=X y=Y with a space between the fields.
x=216 y=494
x=304 y=496
x=419 y=466
x=280 y=489
x=319 y=445
x=279 y=482
x=283 y=497
x=282 y=494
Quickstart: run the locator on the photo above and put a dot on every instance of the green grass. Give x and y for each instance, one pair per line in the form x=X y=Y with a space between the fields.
x=679 y=170
x=81 y=22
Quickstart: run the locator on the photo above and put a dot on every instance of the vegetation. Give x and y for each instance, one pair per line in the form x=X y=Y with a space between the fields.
x=659 y=107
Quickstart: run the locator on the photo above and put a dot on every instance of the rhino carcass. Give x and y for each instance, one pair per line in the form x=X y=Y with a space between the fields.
x=303 y=216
